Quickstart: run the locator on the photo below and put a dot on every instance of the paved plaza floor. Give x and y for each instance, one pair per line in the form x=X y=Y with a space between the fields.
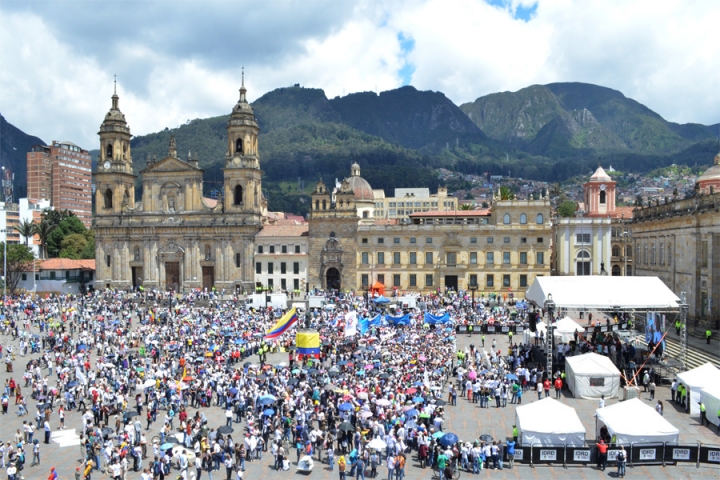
x=466 y=419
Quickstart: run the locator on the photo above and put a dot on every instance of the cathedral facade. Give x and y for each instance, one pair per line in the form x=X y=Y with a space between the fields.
x=174 y=238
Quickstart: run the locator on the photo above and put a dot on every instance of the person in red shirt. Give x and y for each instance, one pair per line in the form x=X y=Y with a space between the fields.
x=558 y=386
x=602 y=455
x=546 y=387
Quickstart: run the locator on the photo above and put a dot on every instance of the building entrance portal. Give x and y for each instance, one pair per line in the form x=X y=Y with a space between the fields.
x=333 y=279
x=451 y=282
x=172 y=276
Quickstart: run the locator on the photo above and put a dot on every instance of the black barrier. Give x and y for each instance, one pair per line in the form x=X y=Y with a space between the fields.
x=645 y=453
x=579 y=455
x=519 y=329
x=504 y=329
x=710 y=454
x=461 y=328
x=477 y=328
x=490 y=328
x=681 y=453
x=548 y=454
x=522 y=455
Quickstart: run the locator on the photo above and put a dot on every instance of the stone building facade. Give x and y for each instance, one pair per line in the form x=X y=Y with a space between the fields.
x=174 y=238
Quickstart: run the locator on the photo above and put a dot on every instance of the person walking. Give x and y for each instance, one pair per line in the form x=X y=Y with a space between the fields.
x=341 y=467
x=621 y=460
x=651 y=386
x=558 y=387
x=708 y=334
x=703 y=414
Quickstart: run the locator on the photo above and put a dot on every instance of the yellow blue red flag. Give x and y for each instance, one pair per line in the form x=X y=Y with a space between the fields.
x=307 y=343
x=282 y=325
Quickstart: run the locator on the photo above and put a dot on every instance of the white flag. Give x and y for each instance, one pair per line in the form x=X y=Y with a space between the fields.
x=350 y=324
x=80 y=376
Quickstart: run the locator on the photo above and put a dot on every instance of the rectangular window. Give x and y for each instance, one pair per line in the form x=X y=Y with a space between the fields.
x=703 y=254
x=523 y=280
x=473 y=239
x=490 y=280
x=413 y=240
x=365 y=258
x=364 y=240
x=473 y=279
x=258 y=268
x=506 y=239
x=296 y=284
x=283 y=249
x=506 y=280
x=271 y=284
x=396 y=280
x=24 y=276
x=540 y=258
x=506 y=258
x=451 y=258
x=473 y=258
x=381 y=240
x=283 y=267
x=523 y=258
x=364 y=280
x=396 y=240
x=413 y=258
x=381 y=258
x=428 y=280
x=396 y=258
x=523 y=239
x=582 y=238
x=237 y=260
x=297 y=248
x=413 y=280
x=540 y=240
x=428 y=240
x=283 y=284
x=489 y=258
x=270 y=268
x=428 y=258
x=260 y=249
x=296 y=268
x=272 y=248
x=489 y=239
x=381 y=278
x=107 y=260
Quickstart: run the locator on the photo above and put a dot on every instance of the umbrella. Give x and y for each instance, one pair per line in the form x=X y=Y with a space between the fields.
x=269 y=412
x=130 y=414
x=486 y=438
x=448 y=439
x=424 y=415
x=384 y=376
x=418 y=400
x=377 y=444
x=107 y=431
x=333 y=373
x=410 y=391
x=233 y=391
x=225 y=429
x=411 y=413
x=342 y=363
x=511 y=376
x=167 y=446
x=346 y=427
x=280 y=365
x=329 y=387
x=383 y=402
x=418 y=384
x=148 y=384
x=362 y=395
x=440 y=402
x=267 y=400
x=72 y=384
x=366 y=414
x=45 y=406
x=438 y=434
x=345 y=407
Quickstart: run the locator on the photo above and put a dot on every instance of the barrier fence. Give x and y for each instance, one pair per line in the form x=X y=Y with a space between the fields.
x=635 y=454
x=484 y=328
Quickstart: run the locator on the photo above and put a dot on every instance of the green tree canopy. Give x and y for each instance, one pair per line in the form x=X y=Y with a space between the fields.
x=67 y=226
x=19 y=259
x=567 y=208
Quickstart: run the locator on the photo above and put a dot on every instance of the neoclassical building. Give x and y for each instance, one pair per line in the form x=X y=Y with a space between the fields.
x=174 y=238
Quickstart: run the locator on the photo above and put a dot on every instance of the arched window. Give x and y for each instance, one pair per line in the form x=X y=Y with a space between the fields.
x=108 y=198
x=332 y=234
x=207 y=252
x=136 y=253
x=616 y=270
x=539 y=219
x=506 y=219
x=317 y=204
x=523 y=219
x=602 y=197
x=238 y=195
x=324 y=204
x=583 y=263
x=239 y=146
x=615 y=251
x=109 y=152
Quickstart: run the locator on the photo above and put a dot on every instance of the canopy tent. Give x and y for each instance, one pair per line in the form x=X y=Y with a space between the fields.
x=591 y=376
x=634 y=422
x=541 y=332
x=599 y=292
x=711 y=399
x=697 y=379
x=377 y=288
x=549 y=422
x=565 y=329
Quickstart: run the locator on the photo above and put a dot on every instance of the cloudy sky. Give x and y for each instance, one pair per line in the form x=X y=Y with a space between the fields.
x=180 y=60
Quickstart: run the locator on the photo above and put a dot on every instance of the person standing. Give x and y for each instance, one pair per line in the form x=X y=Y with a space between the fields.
x=621 y=461
x=601 y=404
x=602 y=455
x=511 y=452
x=708 y=334
x=46 y=427
x=558 y=387
x=703 y=414
x=341 y=467
x=646 y=381
x=651 y=386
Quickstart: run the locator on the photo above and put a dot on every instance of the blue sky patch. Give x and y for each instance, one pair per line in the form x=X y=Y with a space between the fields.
x=521 y=13
x=407 y=44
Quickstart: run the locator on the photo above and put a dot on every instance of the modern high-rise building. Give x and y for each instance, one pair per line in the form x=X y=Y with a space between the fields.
x=62 y=173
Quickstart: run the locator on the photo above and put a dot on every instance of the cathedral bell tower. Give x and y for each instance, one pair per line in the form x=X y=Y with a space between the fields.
x=600 y=195
x=242 y=186
x=114 y=178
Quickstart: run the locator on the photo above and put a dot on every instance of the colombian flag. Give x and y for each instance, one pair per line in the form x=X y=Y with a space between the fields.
x=308 y=343
x=282 y=325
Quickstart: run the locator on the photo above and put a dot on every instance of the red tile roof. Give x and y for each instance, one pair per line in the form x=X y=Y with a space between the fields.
x=453 y=213
x=67 y=264
x=284 y=231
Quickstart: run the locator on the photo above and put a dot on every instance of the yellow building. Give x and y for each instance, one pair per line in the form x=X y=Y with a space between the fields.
x=411 y=200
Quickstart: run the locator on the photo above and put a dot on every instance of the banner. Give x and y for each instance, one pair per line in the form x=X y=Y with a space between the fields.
x=376 y=321
x=433 y=319
x=351 y=324
x=80 y=376
x=402 y=320
x=364 y=325
x=283 y=325
x=308 y=343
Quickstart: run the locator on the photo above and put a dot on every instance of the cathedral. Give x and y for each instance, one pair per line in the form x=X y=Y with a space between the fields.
x=174 y=238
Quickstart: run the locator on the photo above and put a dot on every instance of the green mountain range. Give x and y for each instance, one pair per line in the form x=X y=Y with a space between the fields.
x=14 y=145
x=400 y=137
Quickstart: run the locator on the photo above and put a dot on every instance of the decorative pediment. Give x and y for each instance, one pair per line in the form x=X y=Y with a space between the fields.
x=171 y=164
x=451 y=240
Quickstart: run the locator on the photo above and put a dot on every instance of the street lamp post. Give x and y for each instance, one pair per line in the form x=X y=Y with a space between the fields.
x=473 y=288
x=683 y=316
x=5 y=277
x=550 y=306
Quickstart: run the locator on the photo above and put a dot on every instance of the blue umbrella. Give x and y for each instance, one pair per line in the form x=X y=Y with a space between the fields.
x=166 y=446
x=418 y=384
x=345 y=407
x=511 y=376
x=82 y=346
x=72 y=384
x=267 y=400
x=418 y=400
x=360 y=372
x=381 y=299
x=239 y=341
x=411 y=413
x=448 y=439
x=233 y=391
x=269 y=412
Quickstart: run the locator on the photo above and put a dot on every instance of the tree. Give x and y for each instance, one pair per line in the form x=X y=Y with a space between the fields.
x=89 y=250
x=567 y=209
x=465 y=206
x=639 y=200
x=73 y=245
x=68 y=226
x=43 y=231
x=485 y=205
x=26 y=229
x=506 y=193
x=19 y=260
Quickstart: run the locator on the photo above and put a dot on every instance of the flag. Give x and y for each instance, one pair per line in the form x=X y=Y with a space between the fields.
x=351 y=324
x=308 y=343
x=283 y=325
x=80 y=375
x=363 y=323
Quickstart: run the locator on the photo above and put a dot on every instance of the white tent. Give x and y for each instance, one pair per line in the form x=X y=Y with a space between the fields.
x=599 y=292
x=541 y=329
x=635 y=422
x=697 y=379
x=591 y=376
x=549 y=422
x=565 y=329
x=711 y=399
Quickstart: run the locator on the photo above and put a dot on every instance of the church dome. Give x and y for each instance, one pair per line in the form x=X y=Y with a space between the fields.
x=360 y=186
x=712 y=174
x=600 y=176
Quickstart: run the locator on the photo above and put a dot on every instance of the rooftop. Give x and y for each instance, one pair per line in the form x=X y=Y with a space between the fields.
x=297 y=230
x=67 y=264
x=452 y=213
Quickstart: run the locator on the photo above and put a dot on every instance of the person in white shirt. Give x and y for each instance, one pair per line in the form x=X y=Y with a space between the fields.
x=602 y=402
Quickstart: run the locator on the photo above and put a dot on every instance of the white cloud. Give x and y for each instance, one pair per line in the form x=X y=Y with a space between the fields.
x=56 y=81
